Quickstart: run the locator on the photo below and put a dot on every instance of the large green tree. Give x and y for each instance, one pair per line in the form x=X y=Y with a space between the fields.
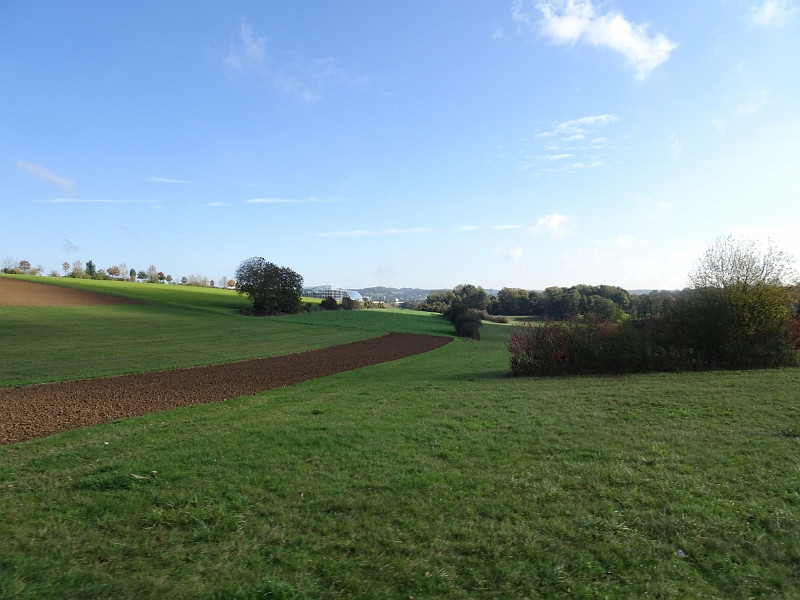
x=271 y=289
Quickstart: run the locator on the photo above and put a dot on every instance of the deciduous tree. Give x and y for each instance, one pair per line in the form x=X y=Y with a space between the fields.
x=271 y=289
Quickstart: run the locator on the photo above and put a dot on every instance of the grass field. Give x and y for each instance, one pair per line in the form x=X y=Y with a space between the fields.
x=437 y=476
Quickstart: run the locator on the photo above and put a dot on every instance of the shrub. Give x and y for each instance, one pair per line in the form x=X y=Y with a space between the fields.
x=485 y=316
x=329 y=303
x=451 y=312
x=468 y=324
x=349 y=304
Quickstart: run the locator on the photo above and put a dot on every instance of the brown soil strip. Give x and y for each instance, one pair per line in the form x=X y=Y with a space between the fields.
x=26 y=293
x=39 y=410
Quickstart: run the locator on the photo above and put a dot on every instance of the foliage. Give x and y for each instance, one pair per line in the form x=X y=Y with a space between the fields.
x=329 y=303
x=468 y=324
x=580 y=346
x=452 y=311
x=472 y=296
x=740 y=314
x=349 y=304
x=271 y=289
x=90 y=268
x=485 y=316
x=141 y=275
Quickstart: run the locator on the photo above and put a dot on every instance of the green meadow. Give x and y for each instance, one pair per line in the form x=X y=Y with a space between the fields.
x=436 y=476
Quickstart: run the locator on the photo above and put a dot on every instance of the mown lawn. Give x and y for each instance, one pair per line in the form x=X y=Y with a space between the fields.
x=437 y=476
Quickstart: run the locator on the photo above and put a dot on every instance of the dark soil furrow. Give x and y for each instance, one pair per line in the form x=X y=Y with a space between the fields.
x=39 y=410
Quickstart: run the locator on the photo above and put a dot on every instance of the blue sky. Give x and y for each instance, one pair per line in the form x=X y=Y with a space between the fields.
x=420 y=144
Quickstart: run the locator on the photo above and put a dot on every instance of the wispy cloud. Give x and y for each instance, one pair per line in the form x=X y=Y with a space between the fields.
x=654 y=209
x=773 y=13
x=467 y=228
x=46 y=174
x=247 y=50
x=248 y=54
x=165 y=180
x=126 y=230
x=573 y=21
x=311 y=200
x=507 y=227
x=577 y=139
x=555 y=225
x=215 y=204
x=515 y=253
x=352 y=233
x=68 y=246
x=756 y=102
x=81 y=200
x=675 y=146
x=365 y=232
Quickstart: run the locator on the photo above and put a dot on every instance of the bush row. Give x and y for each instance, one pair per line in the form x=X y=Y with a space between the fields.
x=704 y=331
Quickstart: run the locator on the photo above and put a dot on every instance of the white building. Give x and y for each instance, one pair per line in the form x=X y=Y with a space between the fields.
x=330 y=291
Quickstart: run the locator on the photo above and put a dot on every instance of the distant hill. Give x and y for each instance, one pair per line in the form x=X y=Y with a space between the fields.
x=402 y=294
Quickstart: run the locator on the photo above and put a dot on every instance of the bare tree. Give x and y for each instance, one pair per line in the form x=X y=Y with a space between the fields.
x=24 y=266
x=9 y=262
x=77 y=268
x=65 y=266
x=742 y=263
x=152 y=273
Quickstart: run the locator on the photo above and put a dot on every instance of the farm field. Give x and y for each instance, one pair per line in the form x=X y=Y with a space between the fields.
x=436 y=476
x=43 y=344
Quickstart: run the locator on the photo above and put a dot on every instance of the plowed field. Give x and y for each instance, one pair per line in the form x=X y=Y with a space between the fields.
x=39 y=410
x=26 y=293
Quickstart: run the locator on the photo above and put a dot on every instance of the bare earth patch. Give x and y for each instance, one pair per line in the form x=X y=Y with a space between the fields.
x=26 y=293
x=39 y=410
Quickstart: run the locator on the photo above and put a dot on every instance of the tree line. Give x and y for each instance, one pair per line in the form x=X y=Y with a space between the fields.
x=557 y=303
x=741 y=311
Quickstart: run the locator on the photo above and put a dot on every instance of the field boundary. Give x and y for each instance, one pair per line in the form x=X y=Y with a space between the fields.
x=40 y=410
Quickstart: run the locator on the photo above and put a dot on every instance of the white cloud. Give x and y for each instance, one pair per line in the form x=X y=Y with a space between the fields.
x=353 y=233
x=165 y=180
x=46 y=174
x=675 y=146
x=555 y=157
x=247 y=51
x=365 y=232
x=65 y=200
x=773 y=13
x=573 y=21
x=719 y=123
x=215 y=204
x=497 y=33
x=654 y=208
x=515 y=253
x=286 y=200
x=412 y=230
x=555 y=225
x=468 y=228
x=507 y=227
x=757 y=100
